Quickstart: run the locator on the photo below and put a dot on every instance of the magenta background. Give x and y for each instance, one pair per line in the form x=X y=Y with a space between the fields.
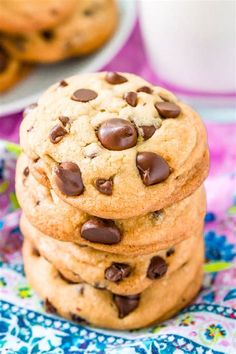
x=132 y=58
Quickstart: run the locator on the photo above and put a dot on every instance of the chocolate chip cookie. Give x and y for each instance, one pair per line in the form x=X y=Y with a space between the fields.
x=121 y=274
x=19 y=16
x=11 y=71
x=90 y=25
x=116 y=146
x=83 y=303
x=139 y=235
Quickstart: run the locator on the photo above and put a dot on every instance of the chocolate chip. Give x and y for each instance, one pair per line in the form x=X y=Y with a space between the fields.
x=157 y=213
x=26 y=171
x=126 y=304
x=68 y=179
x=167 y=109
x=96 y=6
x=101 y=231
x=84 y=95
x=131 y=98
x=145 y=89
x=117 y=272
x=170 y=251
x=78 y=319
x=49 y=307
x=157 y=268
x=63 y=83
x=152 y=168
x=64 y=120
x=47 y=35
x=57 y=133
x=115 y=79
x=81 y=290
x=117 y=134
x=29 y=109
x=36 y=252
x=4 y=60
x=88 y=12
x=104 y=186
x=30 y=129
x=148 y=131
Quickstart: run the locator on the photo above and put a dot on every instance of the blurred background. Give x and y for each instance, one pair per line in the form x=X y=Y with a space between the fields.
x=186 y=46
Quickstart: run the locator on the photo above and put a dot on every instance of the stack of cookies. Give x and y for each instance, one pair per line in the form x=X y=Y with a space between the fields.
x=110 y=183
x=34 y=31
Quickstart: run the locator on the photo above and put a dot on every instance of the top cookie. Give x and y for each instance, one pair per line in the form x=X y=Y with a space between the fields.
x=115 y=146
x=30 y=15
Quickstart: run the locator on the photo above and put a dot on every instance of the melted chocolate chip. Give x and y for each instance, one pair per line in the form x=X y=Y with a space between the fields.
x=153 y=168
x=117 y=272
x=145 y=89
x=84 y=95
x=170 y=251
x=49 y=307
x=167 y=109
x=63 y=83
x=104 y=186
x=126 y=304
x=29 y=109
x=47 y=35
x=101 y=231
x=157 y=268
x=57 y=133
x=148 y=131
x=68 y=179
x=131 y=98
x=26 y=171
x=117 y=134
x=64 y=120
x=115 y=79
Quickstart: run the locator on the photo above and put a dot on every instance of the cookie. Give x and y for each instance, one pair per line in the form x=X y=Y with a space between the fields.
x=11 y=71
x=138 y=235
x=116 y=157
x=31 y=15
x=82 y=302
x=91 y=25
x=124 y=275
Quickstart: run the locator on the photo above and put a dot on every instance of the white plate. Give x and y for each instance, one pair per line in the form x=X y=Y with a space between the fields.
x=30 y=89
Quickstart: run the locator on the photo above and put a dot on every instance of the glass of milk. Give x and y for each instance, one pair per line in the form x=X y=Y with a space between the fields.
x=192 y=44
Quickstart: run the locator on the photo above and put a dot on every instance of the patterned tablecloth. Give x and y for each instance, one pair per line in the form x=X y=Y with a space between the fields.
x=206 y=326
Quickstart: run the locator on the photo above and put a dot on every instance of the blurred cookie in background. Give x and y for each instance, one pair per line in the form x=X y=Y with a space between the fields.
x=91 y=25
x=30 y=15
x=11 y=71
